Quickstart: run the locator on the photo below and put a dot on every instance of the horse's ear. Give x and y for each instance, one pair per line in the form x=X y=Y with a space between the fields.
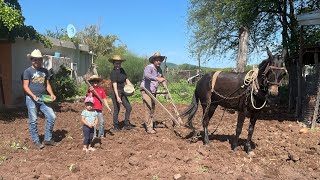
x=269 y=54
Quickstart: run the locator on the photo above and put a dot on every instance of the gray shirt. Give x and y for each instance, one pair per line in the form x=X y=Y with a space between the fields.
x=37 y=80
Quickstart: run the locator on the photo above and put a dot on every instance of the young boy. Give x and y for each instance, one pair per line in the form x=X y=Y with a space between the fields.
x=94 y=81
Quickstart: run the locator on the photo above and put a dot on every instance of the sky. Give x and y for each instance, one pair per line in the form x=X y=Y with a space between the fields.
x=145 y=26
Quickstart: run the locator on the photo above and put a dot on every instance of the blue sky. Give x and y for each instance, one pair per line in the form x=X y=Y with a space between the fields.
x=145 y=26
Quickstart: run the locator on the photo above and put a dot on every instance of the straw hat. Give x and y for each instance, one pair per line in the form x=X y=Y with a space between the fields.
x=116 y=58
x=156 y=55
x=128 y=89
x=94 y=77
x=35 y=53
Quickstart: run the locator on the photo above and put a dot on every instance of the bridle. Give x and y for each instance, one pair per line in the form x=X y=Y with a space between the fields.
x=269 y=69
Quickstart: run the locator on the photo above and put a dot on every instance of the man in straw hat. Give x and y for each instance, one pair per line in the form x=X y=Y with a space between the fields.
x=94 y=80
x=35 y=84
x=119 y=79
x=152 y=77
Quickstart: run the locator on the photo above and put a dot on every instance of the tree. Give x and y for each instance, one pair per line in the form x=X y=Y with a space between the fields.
x=12 y=23
x=215 y=24
x=218 y=24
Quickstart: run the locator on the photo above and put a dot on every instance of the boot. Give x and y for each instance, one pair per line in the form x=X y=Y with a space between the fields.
x=151 y=130
x=128 y=125
x=116 y=127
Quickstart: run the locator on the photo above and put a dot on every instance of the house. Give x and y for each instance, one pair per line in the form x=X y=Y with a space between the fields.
x=13 y=61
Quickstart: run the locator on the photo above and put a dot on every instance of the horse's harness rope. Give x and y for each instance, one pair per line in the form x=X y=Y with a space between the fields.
x=250 y=78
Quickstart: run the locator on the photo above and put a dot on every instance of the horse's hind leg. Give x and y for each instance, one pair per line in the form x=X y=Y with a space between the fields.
x=207 y=114
x=241 y=117
x=253 y=120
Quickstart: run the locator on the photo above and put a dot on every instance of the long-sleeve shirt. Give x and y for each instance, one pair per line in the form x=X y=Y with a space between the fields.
x=149 y=80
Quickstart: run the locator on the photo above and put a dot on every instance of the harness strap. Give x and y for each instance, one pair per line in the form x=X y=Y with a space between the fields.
x=214 y=79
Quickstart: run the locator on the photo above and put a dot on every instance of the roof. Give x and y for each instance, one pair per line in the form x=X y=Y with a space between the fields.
x=68 y=44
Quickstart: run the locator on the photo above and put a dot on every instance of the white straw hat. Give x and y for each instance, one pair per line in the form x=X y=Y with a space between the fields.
x=35 y=53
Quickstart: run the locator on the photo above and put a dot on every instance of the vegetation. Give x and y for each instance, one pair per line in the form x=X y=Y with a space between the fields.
x=181 y=93
x=12 y=24
x=63 y=85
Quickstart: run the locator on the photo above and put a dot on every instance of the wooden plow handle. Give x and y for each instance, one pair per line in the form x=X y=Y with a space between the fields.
x=175 y=121
x=174 y=106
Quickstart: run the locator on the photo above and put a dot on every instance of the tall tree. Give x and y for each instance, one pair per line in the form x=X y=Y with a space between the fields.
x=221 y=25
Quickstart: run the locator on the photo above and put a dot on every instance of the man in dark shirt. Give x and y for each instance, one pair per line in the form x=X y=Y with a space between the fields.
x=36 y=84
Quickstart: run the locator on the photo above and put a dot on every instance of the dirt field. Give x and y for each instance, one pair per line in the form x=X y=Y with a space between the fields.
x=281 y=151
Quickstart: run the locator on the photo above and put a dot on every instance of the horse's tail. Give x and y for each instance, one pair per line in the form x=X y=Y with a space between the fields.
x=192 y=109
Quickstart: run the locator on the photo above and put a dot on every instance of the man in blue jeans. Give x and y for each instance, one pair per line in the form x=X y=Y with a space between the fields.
x=35 y=84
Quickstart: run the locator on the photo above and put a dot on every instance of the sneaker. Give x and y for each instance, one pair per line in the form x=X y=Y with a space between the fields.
x=91 y=149
x=38 y=145
x=50 y=143
x=85 y=149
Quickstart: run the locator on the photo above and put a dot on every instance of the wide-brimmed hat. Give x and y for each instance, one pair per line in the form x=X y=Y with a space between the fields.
x=35 y=53
x=116 y=58
x=156 y=55
x=94 y=77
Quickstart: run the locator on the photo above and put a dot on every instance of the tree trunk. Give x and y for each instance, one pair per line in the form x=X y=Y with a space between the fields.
x=243 y=49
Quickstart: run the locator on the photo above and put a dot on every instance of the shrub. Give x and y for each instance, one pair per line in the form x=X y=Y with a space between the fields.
x=63 y=85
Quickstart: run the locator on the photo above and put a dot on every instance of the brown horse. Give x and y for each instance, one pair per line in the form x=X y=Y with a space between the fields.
x=233 y=91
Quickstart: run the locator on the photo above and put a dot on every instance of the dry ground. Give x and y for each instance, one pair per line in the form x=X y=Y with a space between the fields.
x=281 y=152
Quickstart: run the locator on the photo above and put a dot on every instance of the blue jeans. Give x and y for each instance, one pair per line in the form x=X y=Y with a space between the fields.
x=88 y=135
x=32 y=112
x=100 y=124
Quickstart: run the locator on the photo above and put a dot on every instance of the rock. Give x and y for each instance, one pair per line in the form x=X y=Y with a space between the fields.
x=179 y=177
x=294 y=157
x=46 y=176
x=74 y=168
x=133 y=161
x=304 y=130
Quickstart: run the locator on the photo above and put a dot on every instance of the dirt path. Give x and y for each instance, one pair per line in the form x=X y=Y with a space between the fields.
x=281 y=152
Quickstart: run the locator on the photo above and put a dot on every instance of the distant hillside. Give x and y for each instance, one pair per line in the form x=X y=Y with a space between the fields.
x=206 y=69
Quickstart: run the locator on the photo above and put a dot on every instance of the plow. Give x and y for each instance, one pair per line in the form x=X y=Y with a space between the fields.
x=175 y=119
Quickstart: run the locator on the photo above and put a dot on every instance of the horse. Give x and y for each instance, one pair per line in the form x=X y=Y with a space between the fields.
x=232 y=90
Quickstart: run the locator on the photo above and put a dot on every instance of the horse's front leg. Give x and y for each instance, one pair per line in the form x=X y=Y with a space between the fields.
x=253 y=120
x=206 y=118
x=241 y=117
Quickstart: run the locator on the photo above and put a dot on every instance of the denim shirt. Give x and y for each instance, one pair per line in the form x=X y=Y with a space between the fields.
x=149 y=80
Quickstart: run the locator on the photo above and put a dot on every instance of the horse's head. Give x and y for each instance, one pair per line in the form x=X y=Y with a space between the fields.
x=271 y=72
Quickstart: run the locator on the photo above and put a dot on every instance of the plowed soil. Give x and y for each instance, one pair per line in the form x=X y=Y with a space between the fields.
x=281 y=150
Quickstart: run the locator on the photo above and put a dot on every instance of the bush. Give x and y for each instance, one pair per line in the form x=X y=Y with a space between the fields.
x=63 y=85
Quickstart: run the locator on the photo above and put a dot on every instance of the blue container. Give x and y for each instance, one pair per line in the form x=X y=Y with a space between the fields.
x=56 y=54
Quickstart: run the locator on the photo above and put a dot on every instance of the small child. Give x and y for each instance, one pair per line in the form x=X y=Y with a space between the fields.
x=89 y=120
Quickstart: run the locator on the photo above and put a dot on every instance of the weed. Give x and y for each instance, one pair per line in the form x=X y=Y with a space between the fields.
x=197 y=158
x=2 y=159
x=314 y=130
x=18 y=145
x=155 y=177
x=203 y=168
